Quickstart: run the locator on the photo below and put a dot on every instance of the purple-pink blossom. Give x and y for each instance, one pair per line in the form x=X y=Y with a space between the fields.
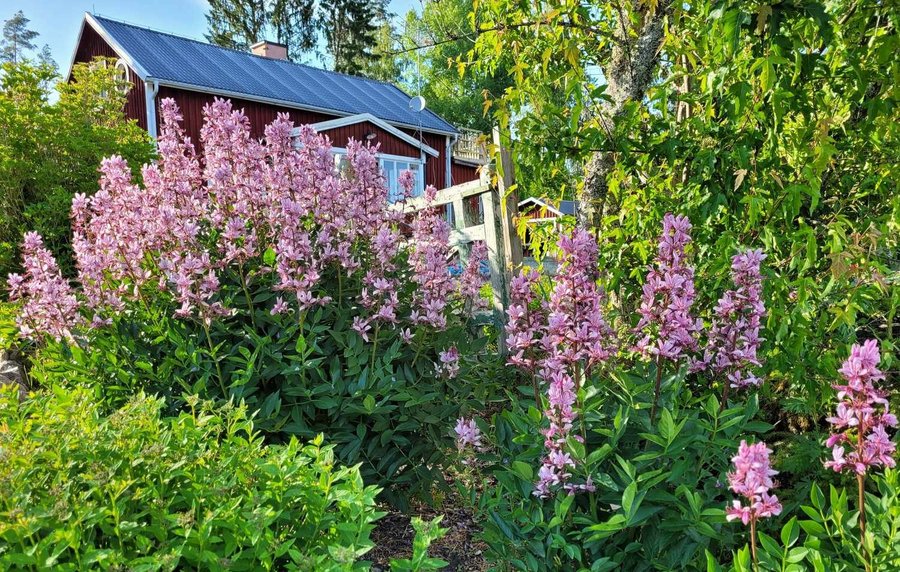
x=734 y=339
x=49 y=307
x=449 y=365
x=859 y=439
x=559 y=340
x=752 y=480
x=669 y=330
x=468 y=435
x=242 y=212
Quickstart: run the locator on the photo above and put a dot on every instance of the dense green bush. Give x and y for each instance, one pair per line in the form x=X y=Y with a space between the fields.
x=53 y=135
x=82 y=490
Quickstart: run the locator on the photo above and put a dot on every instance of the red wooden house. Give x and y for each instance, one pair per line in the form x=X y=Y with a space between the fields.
x=264 y=83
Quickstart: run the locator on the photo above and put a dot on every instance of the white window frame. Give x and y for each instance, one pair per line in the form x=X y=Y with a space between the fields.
x=393 y=187
x=393 y=190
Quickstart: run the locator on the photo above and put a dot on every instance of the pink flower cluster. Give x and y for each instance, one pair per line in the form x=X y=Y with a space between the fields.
x=471 y=280
x=449 y=365
x=862 y=415
x=525 y=322
x=428 y=257
x=468 y=435
x=734 y=339
x=669 y=329
x=244 y=209
x=49 y=304
x=560 y=340
x=752 y=479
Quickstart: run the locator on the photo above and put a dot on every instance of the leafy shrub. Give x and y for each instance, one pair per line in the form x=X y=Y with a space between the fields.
x=53 y=135
x=82 y=490
x=264 y=274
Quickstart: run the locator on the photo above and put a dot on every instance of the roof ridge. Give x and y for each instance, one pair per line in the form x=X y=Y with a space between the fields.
x=251 y=54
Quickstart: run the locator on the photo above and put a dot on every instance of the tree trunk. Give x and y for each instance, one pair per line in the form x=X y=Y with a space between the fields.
x=635 y=57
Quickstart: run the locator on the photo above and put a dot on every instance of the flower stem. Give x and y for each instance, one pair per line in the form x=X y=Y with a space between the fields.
x=861 y=491
x=753 y=543
x=247 y=296
x=656 y=389
x=212 y=354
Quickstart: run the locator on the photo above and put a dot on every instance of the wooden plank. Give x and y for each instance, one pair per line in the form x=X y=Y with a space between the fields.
x=509 y=205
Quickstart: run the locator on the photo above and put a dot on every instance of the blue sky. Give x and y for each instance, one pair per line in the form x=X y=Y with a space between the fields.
x=58 y=21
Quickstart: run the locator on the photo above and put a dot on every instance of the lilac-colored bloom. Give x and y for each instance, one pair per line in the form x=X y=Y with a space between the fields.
x=734 y=339
x=752 y=480
x=862 y=417
x=467 y=434
x=449 y=365
x=669 y=330
x=49 y=307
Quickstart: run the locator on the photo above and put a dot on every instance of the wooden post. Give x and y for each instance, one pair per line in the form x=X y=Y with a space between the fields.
x=509 y=203
x=500 y=209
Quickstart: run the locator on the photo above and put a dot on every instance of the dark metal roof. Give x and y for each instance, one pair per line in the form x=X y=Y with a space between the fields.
x=169 y=58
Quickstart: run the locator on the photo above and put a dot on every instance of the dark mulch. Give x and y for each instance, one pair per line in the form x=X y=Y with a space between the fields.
x=393 y=537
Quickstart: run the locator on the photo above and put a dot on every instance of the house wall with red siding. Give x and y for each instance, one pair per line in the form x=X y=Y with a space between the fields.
x=191 y=104
x=92 y=46
x=388 y=143
x=463 y=172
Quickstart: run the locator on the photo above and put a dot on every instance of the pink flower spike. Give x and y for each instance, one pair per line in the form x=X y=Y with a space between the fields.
x=752 y=480
x=861 y=417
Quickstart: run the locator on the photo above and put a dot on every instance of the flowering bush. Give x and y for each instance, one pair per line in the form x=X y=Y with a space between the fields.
x=84 y=490
x=584 y=474
x=259 y=272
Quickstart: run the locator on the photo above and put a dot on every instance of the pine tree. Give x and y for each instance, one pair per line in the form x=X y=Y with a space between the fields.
x=16 y=38
x=384 y=64
x=238 y=24
x=350 y=28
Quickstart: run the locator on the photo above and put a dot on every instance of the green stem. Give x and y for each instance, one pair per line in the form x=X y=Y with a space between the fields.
x=656 y=389
x=374 y=347
x=212 y=354
x=753 y=543
x=247 y=296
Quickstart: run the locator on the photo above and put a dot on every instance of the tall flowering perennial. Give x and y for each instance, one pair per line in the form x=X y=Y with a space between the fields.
x=861 y=420
x=471 y=280
x=752 y=480
x=733 y=339
x=669 y=331
x=49 y=306
x=525 y=323
x=430 y=239
x=242 y=214
x=559 y=341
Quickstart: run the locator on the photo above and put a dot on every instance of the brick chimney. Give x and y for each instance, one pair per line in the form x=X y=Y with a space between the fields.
x=269 y=49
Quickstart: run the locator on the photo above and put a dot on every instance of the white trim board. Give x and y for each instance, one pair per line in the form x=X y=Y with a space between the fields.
x=540 y=203
x=369 y=118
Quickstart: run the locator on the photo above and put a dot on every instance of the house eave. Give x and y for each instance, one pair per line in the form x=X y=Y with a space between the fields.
x=369 y=118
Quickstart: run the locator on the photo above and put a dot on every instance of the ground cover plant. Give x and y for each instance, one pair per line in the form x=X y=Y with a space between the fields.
x=260 y=273
x=133 y=490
